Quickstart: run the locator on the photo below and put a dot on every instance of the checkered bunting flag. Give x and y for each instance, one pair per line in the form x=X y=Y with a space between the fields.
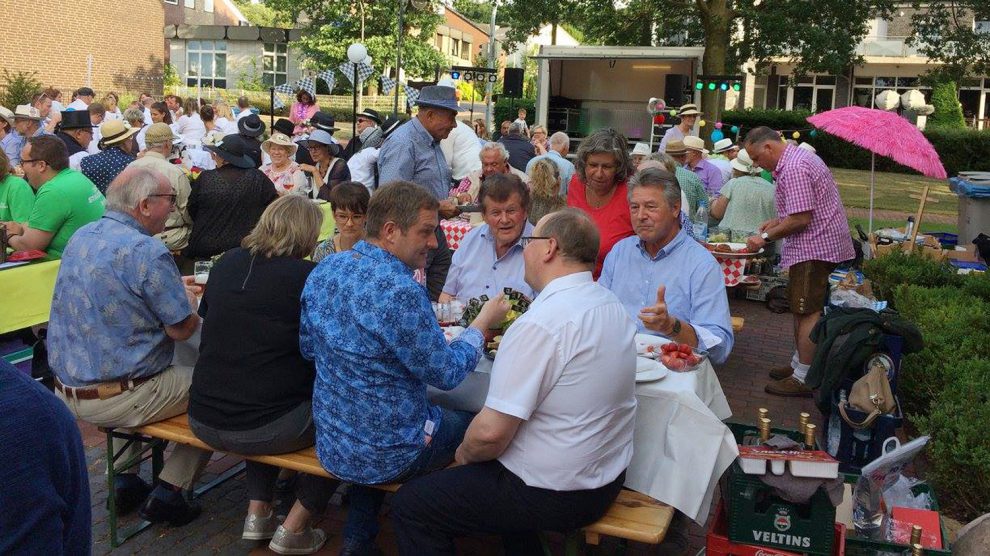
x=307 y=84
x=278 y=103
x=364 y=71
x=284 y=88
x=388 y=84
x=328 y=77
x=411 y=95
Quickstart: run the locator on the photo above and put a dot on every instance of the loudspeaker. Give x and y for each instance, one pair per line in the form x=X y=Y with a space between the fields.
x=512 y=82
x=676 y=90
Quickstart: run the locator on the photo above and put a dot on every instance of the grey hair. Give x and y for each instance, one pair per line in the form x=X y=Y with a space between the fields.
x=659 y=179
x=133 y=115
x=761 y=134
x=559 y=139
x=132 y=186
x=606 y=141
x=516 y=127
x=493 y=146
x=666 y=160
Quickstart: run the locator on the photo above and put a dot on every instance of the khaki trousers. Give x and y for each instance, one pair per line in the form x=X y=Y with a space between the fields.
x=164 y=396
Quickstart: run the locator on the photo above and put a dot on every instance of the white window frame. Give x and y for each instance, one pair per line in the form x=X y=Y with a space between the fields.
x=274 y=54
x=815 y=87
x=173 y=2
x=191 y=4
x=212 y=50
x=208 y=6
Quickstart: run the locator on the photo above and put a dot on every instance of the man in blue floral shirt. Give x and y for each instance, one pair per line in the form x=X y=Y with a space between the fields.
x=377 y=345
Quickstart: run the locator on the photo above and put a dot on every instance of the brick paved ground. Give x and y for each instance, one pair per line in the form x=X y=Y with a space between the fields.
x=765 y=341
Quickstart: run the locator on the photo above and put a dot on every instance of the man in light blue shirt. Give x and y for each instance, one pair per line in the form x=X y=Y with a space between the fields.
x=413 y=152
x=560 y=144
x=669 y=284
x=490 y=256
x=27 y=123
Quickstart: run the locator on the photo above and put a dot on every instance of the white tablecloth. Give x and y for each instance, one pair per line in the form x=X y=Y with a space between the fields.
x=680 y=446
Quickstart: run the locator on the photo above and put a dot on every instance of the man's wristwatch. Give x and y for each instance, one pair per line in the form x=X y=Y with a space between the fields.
x=765 y=236
x=676 y=328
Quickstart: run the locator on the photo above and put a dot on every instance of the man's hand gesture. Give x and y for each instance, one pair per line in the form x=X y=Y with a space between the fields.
x=656 y=317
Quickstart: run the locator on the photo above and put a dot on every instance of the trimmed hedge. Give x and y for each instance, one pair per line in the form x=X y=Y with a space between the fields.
x=948 y=112
x=507 y=108
x=959 y=149
x=944 y=389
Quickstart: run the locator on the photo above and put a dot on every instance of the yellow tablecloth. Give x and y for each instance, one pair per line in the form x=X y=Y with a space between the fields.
x=26 y=294
x=328 y=227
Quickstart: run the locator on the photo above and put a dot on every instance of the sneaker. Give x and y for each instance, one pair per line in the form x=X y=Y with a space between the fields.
x=790 y=387
x=307 y=541
x=176 y=513
x=778 y=373
x=259 y=527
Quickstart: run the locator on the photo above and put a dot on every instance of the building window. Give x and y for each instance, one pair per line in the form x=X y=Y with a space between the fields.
x=208 y=6
x=981 y=27
x=439 y=42
x=275 y=64
x=206 y=64
x=865 y=89
x=455 y=48
x=815 y=93
x=173 y=2
x=191 y=4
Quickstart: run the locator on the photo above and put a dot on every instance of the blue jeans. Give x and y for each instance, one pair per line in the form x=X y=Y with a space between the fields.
x=365 y=501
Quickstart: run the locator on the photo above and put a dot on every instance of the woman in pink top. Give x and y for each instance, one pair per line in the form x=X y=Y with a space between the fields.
x=598 y=187
x=302 y=110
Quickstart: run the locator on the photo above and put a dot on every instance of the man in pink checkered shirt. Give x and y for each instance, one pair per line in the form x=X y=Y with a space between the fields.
x=811 y=217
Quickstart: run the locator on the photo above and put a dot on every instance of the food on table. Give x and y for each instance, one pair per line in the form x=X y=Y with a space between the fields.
x=519 y=303
x=723 y=248
x=718 y=238
x=679 y=357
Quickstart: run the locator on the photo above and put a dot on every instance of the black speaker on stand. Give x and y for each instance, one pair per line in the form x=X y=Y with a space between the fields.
x=512 y=82
x=676 y=90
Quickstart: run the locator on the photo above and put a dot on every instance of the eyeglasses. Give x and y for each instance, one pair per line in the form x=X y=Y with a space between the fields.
x=352 y=218
x=524 y=240
x=30 y=161
x=171 y=197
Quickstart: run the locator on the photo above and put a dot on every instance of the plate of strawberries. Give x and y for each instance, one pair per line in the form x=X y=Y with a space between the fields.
x=681 y=358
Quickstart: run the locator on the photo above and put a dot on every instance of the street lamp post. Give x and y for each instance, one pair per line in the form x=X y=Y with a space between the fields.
x=356 y=53
x=398 y=54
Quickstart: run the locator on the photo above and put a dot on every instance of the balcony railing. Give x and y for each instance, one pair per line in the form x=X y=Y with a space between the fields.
x=887 y=46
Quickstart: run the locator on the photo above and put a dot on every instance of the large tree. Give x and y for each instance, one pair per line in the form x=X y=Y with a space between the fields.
x=945 y=32
x=333 y=25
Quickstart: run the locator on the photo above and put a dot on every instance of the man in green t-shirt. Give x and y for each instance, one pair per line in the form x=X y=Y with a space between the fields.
x=16 y=196
x=65 y=200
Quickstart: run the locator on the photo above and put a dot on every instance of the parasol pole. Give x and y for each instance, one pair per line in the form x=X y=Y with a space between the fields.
x=873 y=179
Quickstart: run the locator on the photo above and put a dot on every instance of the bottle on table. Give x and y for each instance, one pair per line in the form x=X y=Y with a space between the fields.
x=809 y=437
x=700 y=221
x=764 y=430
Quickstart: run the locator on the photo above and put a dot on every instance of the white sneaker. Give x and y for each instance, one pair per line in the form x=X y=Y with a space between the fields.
x=307 y=541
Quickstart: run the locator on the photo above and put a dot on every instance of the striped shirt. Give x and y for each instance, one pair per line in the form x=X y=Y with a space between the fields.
x=804 y=184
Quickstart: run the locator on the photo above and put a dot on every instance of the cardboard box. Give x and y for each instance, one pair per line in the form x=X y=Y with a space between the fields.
x=963 y=253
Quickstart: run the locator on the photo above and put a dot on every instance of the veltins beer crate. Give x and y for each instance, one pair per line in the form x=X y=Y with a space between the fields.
x=717 y=542
x=741 y=432
x=757 y=517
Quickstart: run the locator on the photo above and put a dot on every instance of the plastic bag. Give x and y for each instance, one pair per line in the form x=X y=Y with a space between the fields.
x=880 y=474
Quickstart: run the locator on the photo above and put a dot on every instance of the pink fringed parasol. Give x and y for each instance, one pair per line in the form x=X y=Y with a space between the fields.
x=885 y=134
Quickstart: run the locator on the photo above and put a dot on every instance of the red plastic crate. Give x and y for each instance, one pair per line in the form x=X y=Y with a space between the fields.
x=718 y=543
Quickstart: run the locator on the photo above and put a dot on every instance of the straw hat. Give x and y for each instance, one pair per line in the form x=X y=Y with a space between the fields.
x=675 y=147
x=281 y=140
x=723 y=145
x=159 y=133
x=689 y=110
x=744 y=163
x=641 y=148
x=27 y=112
x=7 y=115
x=115 y=131
x=693 y=143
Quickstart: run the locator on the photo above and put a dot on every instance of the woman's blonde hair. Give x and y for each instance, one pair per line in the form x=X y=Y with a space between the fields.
x=222 y=110
x=543 y=179
x=289 y=227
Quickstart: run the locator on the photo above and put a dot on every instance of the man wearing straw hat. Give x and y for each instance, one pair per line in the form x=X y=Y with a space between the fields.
x=708 y=173
x=118 y=149
x=688 y=114
x=24 y=122
x=724 y=151
x=159 y=140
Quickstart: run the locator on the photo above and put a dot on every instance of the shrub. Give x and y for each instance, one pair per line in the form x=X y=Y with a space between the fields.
x=507 y=108
x=890 y=271
x=18 y=88
x=959 y=450
x=948 y=112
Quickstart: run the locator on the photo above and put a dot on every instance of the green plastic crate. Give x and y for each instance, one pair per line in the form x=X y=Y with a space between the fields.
x=741 y=430
x=757 y=517
x=858 y=546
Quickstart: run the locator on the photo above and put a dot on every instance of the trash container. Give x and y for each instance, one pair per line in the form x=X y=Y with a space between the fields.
x=974 y=208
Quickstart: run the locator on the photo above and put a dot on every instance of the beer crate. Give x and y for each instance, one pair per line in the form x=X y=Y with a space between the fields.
x=757 y=517
x=717 y=542
x=767 y=283
x=741 y=431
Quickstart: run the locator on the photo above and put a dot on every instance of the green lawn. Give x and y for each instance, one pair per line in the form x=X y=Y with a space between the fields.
x=899 y=224
x=892 y=192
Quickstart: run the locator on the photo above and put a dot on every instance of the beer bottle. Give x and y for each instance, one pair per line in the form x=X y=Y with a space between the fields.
x=915 y=534
x=917 y=550
x=809 y=436
x=764 y=429
x=762 y=413
x=803 y=420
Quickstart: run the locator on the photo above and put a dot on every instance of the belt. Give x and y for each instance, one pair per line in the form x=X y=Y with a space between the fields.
x=101 y=391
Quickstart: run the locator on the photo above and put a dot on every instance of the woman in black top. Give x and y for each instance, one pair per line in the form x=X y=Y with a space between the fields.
x=330 y=169
x=252 y=389
x=226 y=203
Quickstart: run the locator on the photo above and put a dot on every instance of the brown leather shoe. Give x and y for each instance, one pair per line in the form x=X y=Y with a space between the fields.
x=790 y=387
x=778 y=373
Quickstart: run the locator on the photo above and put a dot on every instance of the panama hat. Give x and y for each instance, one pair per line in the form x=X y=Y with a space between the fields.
x=689 y=110
x=27 y=112
x=675 y=147
x=744 y=163
x=281 y=140
x=115 y=131
x=437 y=96
x=641 y=148
x=159 y=133
x=723 y=145
x=693 y=143
x=7 y=116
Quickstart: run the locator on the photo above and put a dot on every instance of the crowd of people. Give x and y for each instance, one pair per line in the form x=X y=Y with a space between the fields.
x=334 y=342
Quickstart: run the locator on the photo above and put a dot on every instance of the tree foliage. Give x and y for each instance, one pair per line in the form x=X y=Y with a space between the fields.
x=333 y=25
x=475 y=10
x=944 y=32
x=526 y=17
x=948 y=112
x=263 y=14
x=18 y=88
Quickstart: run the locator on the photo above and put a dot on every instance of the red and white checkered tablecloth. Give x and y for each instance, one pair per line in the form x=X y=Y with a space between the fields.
x=733 y=270
x=455 y=230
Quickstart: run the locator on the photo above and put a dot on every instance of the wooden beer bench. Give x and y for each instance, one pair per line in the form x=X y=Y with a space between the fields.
x=633 y=516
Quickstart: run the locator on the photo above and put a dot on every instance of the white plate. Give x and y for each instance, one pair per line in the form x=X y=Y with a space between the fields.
x=645 y=340
x=648 y=370
x=733 y=246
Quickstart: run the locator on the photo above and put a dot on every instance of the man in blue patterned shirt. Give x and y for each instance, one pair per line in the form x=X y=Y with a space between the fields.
x=119 y=307
x=376 y=343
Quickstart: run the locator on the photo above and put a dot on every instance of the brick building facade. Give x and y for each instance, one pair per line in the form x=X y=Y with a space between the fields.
x=105 y=45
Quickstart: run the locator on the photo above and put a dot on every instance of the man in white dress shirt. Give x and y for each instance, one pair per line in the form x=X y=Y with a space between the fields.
x=84 y=97
x=550 y=448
